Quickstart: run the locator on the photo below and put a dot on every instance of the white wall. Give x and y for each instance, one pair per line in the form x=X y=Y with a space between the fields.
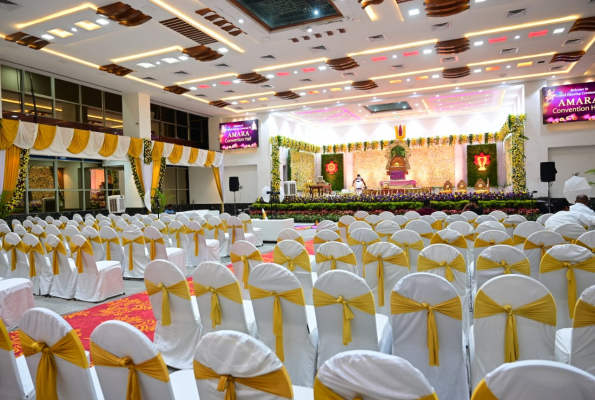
x=566 y=144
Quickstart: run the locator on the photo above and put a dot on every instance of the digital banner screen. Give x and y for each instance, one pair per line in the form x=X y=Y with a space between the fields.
x=238 y=135
x=569 y=103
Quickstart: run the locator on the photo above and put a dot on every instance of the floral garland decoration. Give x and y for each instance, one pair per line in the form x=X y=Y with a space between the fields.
x=516 y=126
x=19 y=189
x=148 y=151
x=139 y=187
x=159 y=184
x=295 y=144
x=275 y=173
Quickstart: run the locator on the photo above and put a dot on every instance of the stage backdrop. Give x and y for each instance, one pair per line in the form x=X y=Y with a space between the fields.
x=371 y=165
x=302 y=167
x=332 y=170
x=473 y=164
x=432 y=166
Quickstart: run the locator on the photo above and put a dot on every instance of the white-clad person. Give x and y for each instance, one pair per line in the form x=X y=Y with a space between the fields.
x=359 y=184
x=565 y=216
x=581 y=205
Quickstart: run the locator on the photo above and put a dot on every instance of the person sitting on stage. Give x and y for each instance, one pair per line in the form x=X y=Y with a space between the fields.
x=581 y=205
x=474 y=206
x=565 y=215
x=359 y=184
x=170 y=209
x=426 y=209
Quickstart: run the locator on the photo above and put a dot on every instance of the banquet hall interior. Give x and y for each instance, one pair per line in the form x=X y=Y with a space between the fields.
x=297 y=199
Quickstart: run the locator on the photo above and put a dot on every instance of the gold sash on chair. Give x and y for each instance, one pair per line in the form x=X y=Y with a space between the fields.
x=405 y=246
x=231 y=291
x=482 y=243
x=255 y=256
x=471 y=237
x=31 y=250
x=22 y=247
x=352 y=242
x=584 y=314
x=438 y=225
x=125 y=242
x=425 y=264
x=215 y=228
x=318 y=240
x=195 y=234
x=579 y=243
x=179 y=289
x=245 y=223
x=342 y=225
x=518 y=239
x=177 y=232
x=549 y=264
x=96 y=239
x=322 y=392
x=542 y=310
x=569 y=240
x=531 y=246
x=68 y=348
x=522 y=267
x=296 y=296
x=55 y=260
x=41 y=235
x=298 y=239
x=5 y=342
x=363 y=303
x=74 y=249
x=153 y=247
x=154 y=367
x=402 y=305
x=483 y=392
x=397 y=259
x=276 y=382
x=347 y=259
x=302 y=260
x=108 y=248
x=460 y=241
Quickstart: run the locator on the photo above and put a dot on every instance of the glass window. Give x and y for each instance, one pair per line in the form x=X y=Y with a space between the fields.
x=91 y=97
x=67 y=91
x=42 y=85
x=168 y=130
x=196 y=121
x=113 y=102
x=10 y=79
x=181 y=118
x=155 y=112
x=183 y=196
x=182 y=132
x=113 y=120
x=155 y=131
x=70 y=183
x=45 y=107
x=171 y=196
x=95 y=186
x=195 y=135
x=168 y=115
x=182 y=178
x=68 y=111
x=10 y=101
x=92 y=116
x=169 y=180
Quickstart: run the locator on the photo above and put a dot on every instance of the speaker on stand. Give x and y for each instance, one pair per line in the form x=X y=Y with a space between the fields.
x=234 y=186
x=548 y=174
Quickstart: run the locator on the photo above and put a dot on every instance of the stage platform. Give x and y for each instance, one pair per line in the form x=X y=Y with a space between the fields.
x=398 y=184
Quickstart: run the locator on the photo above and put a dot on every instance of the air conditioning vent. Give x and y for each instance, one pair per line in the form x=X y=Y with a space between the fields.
x=9 y=5
x=229 y=91
x=349 y=75
x=521 y=12
x=558 y=68
x=200 y=95
x=510 y=50
x=570 y=42
x=318 y=49
x=395 y=67
x=376 y=38
x=441 y=27
x=306 y=80
x=447 y=60
x=149 y=78
x=268 y=58
x=503 y=75
x=181 y=73
x=238 y=108
x=222 y=65
x=267 y=86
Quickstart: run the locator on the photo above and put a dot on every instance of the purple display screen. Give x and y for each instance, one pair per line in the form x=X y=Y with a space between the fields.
x=238 y=135
x=569 y=103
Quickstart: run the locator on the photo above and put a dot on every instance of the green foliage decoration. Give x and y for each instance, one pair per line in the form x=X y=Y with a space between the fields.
x=491 y=172
x=336 y=179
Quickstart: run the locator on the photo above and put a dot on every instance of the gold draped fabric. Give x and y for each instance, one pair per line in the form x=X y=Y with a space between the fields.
x=74 y=249
x=352 y=242
x=255 y=256
x=276 y=382
x=179 y=289
x=59 y=249
x=569 y=240
x=68 y=348
x=176 y=154
x=126 y=242
x=154 y=367
x=347 y=259
x=295 y=296
x=452 y=308
x=79 y=142
x=245 y=223
x=218 y=183
x=31 y=250
x=318 y=240
x=530 y=246
x=406 y=246
x=522 y=267
x=397 y=259
x=195 y=234
x=302 y=260
x=210 y=158
x=428 y=235
x=96 y=239
x=5 y=342
x=231 y=291
x=298 y=239
x=460 y=241
x=193 y=155
x=8 y=132
x=542 y=310
x=157 y=151
x=176 y=232
x=22 y=247
x=458 y=264
x=153 y=247
x=483 y=392
x=584 y=314
x=438 y=225
x=45 y=136
x=108 y=247
x=215 y=229
x=156 y=154
x=322 y=392
x=363 y=303
x=550 y=264
x=482 y=243
x=12 y=162
x=518 y=239
x=109 y=146
x=136 y=147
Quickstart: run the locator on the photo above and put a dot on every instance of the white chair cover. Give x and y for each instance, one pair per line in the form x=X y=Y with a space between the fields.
x=15 y=380
x=42 y=282
x=54 y=230
x=412 y=215
x=292 y=249
x=499 y=215
x=39 y=232
x=440 y=215
x=153 y=217
x=336 y=250
x=536 y=245
x=49 y=219
x=110 y=238
x=484 y=218
x=358 y=225
x=235 y=225
x=455 y=218
x=248 y=228
x=221 y=235
x=22 y=260
x=90 y=233
x=162 y=228
x=178 y=237
x=182 y=218
x=289 y=234
x=224 y=217
x=373 y=220
x=386 y=229
x=104 y=223
x=536 y=380
x=73 y=382
x=587 y=240
x=173 y=254
x=325 y=236
x=386 y=215
x=236 y=354
x=42 y=223
x=392 y=271
x=360 y=215
x=16 y=297
x=454 y=239
x=570 y=232
x=327 y=225
x=176 y=342
x=557 y=281
x=511 y=222
x=64 y=283
x=493 y=237
x=371 y=375
x=207 y=216
x=208 y=249
x=234 y=316
x=403 y=239
x=20 y=230
x=140 y=258
x=239 y=249
x=490 y=226
x=544 y=217
x=300 y=337
x=433 y=222
x=523 y=231
x=500 y=254
x=343 y=224
x=359 y=240
x=139 y=225
x=487 y=336
x=423 y=229
x=411 y=335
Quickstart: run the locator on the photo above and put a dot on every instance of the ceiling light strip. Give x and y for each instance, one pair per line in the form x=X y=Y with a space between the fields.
x=390 y=48
x=503 y=60
x=523 y=26
x=78 y=60
x=148 y=54
x=273 y=67
x=247 y=95
x=407 y=73
x=208 y=78
x=323 y=85
x=59 y=14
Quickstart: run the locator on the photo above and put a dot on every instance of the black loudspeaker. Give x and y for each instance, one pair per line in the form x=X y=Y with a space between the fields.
x=234 y=184
x=548 y=171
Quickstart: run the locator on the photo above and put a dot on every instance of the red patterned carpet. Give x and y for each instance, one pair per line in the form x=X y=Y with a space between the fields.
x=135 y=309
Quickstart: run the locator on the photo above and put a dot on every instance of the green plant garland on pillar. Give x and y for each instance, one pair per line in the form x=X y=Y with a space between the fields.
x=275 y=173
x=139 y=187
x=516 y=127
x=12 y=199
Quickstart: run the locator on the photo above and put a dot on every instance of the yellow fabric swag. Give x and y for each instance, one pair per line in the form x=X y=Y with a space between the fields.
x=402 y=305
x=231 y=291
x=522 y=267
x=299 y=239
x=45 y=136
x=193 y=155
x=295 y=296
x=482 y=243
x=302 y=260
x=74 y=249
x=460 y=241
x=347 y=259
x=126 y=242
x=255 y=256
x=109 y=146
x=363 y=303
x=550 y=264
x=8 y=132
x=153 y=246
x=276 y=382
x=177 y=232
x=397 y=259
x=136 y=147
x=210 y=158
x=542 y=310
x=531 y=246
x=218 y=184
x=176 y=154
x=79 y=142
x=406 y=246
x=322 y=392
x=584 y=314
x=5 y=342
x=352 y=242
x=179 y=289
x=68 y=348
x=458 y=264
x=483 y=392
x=154 y=367
x=59 y=249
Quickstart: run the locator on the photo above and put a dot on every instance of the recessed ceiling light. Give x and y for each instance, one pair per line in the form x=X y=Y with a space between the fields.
x=480 y=91
x=183 y=58
x=322 y=68
x=236 y=81
x=416 y=105
x=302 y=94
x=295 y=72
x=309 y=30
x=517 y=37
x=222 y=50
x=394 y=56
x=477 y=70
x=414 y=92
x=60 y=32
x=170 y=60
x=554 y=76
x=408 y=79
x=457 y=88
x=253 y=100
x=374 y=97
x=479 y=1
x=508 y=66
x=270 y=76
x=435 y=76
x=234 y=103
x=427 y=51
x=214 y=84
x=315 y=12
x=415 y=11
x=102 y=21
x=478 y=43
x=559 y=30
x=146 y=65
x=158 y=63
x=74 y=29
x=88 y=25
x=347 y=88
x=193 y=88
x=324 y=91
x=47 y=37
x=241 y=21
x=337 y=102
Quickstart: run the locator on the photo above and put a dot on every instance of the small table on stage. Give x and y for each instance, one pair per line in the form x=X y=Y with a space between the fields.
x=320 y=189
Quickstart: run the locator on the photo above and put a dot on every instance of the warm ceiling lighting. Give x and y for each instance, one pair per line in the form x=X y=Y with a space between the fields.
x=283 y=73
x=88 y=25
x=336 y=89
x=401 y=46
x=538 y=33
x=244 y=101
x=146 y=65
x=59 y=14
x=407 y=73
x=263 y=98
x=525 y=64
x=376 y=59
x=395 y=81
x=206 y=78
x=283 y=66
x=308 y=69
x=204 y=86
x=421 y=78
x=313 y=92
x=411 y=53
x=523 y=26
x=497 y=40
x=147 y=54
x=247 y=95
x=78 y=60
x=488 y=69
x=170 y=60
x=322 y=85
x=511 y=59
x=60 y=33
